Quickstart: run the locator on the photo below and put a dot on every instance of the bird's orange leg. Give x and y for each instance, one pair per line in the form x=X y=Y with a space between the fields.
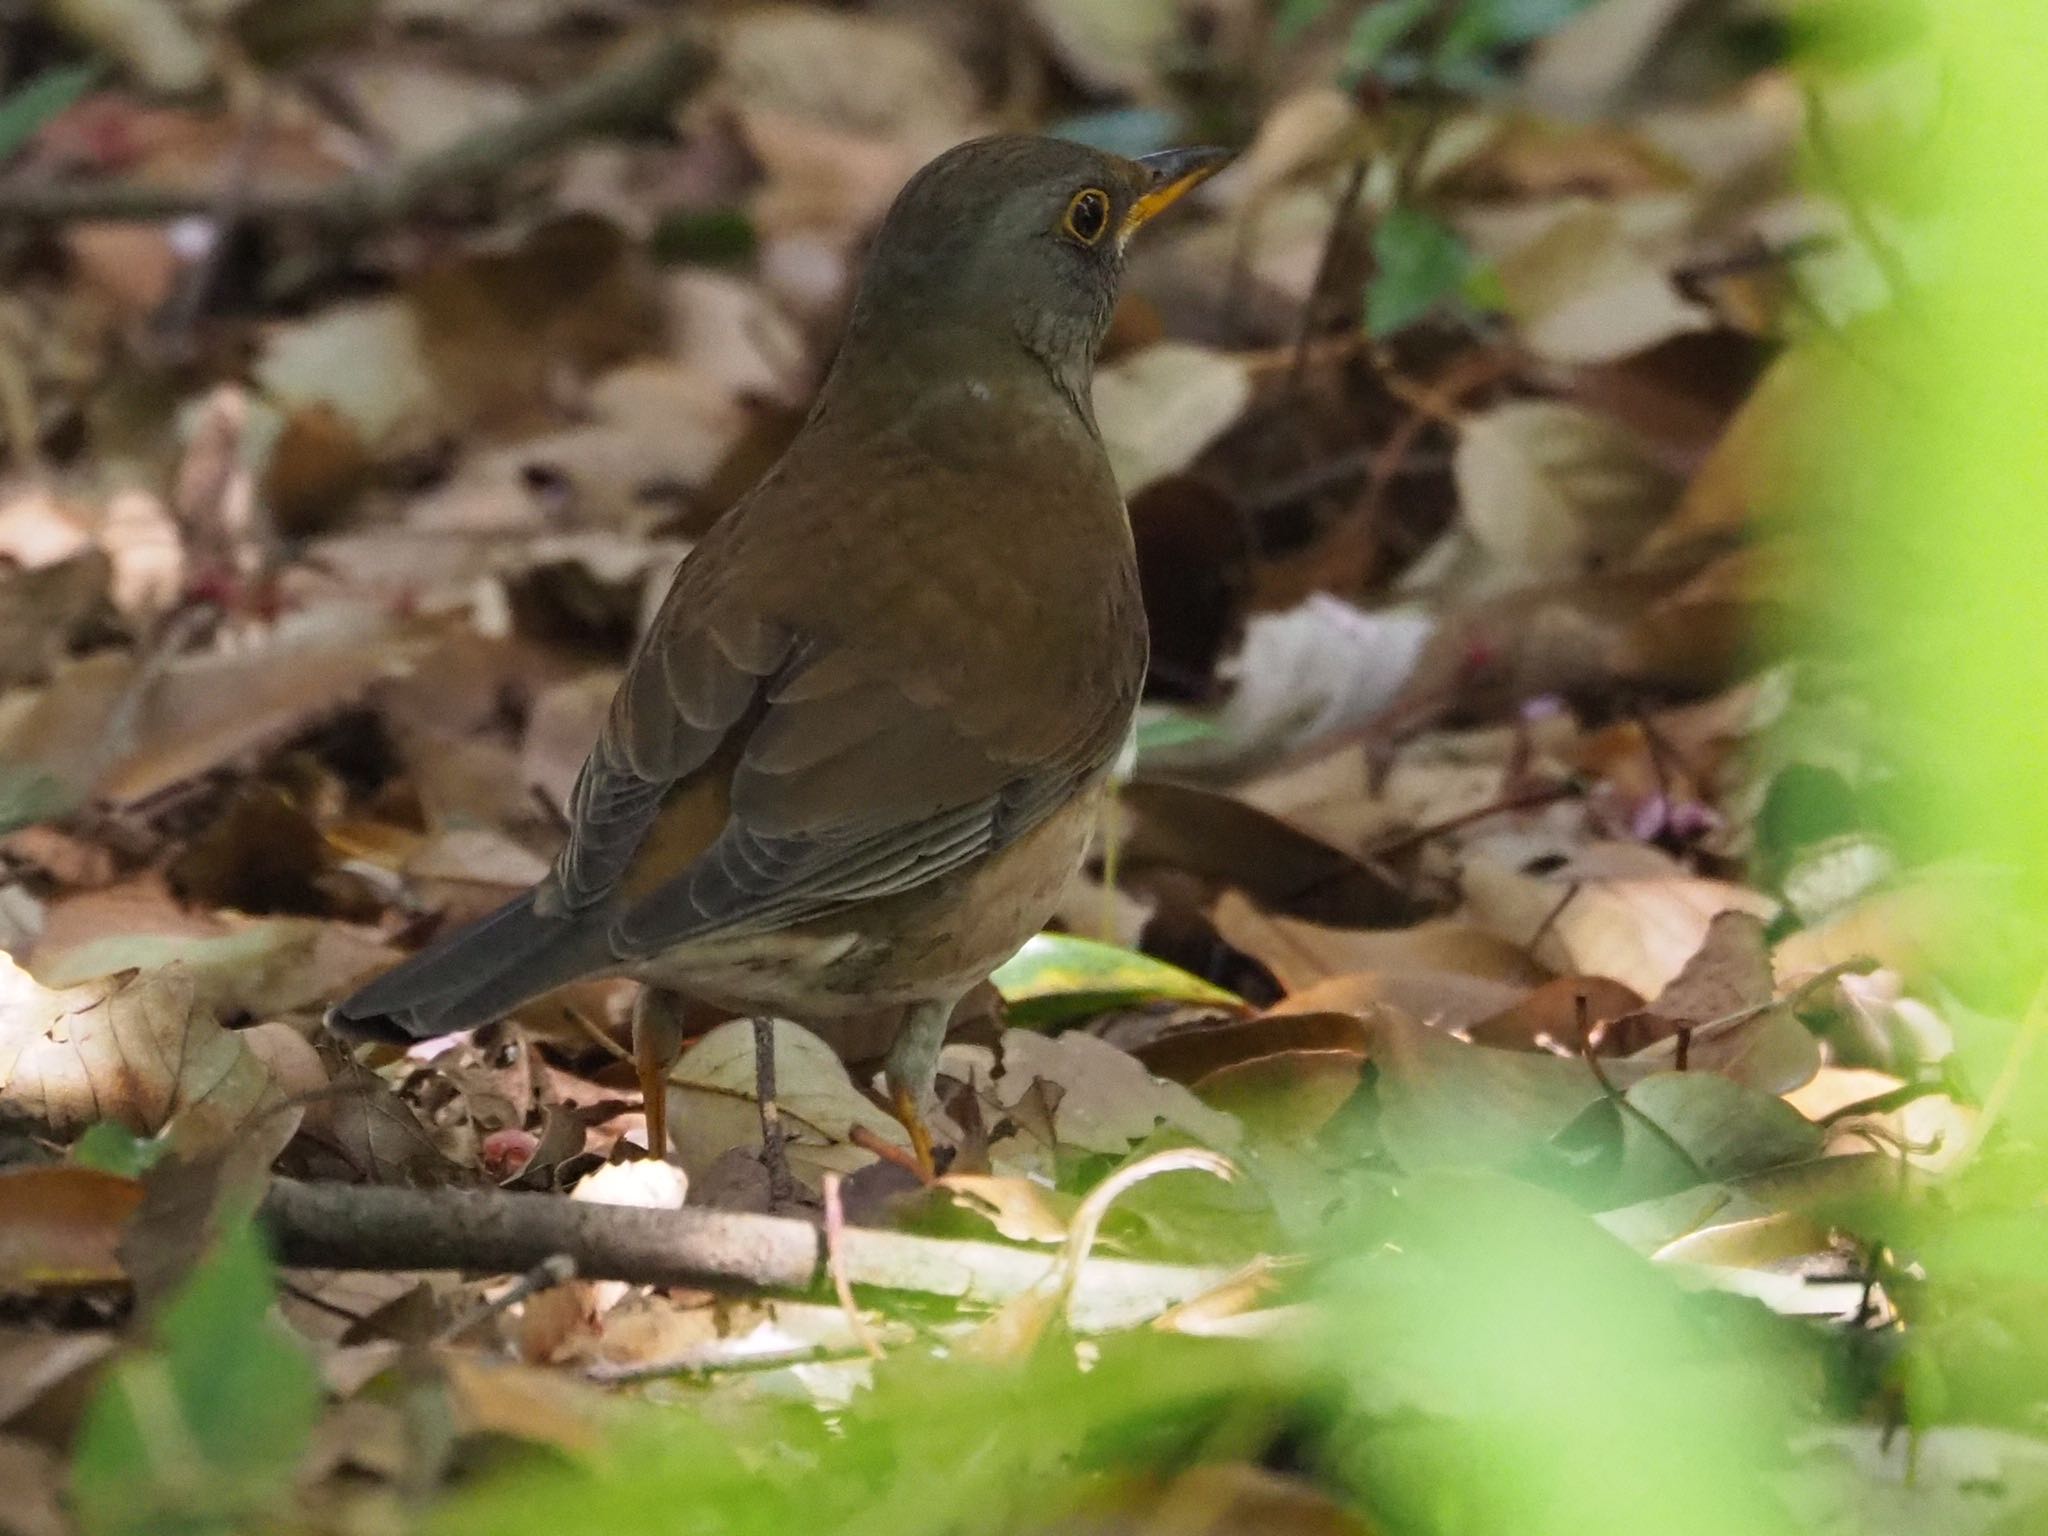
x=657 y=1042
x=910 y=1070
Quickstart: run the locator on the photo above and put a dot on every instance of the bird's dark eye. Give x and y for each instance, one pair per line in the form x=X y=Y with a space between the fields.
x=1088 y=215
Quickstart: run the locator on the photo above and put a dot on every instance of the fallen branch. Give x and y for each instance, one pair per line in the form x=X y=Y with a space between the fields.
x=359 y=1226
x=642 y=83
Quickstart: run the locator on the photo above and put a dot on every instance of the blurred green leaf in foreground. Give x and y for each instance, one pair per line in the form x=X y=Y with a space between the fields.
x=202 y=1431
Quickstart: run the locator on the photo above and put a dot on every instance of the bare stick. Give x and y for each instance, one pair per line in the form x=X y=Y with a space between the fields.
x=639 y=84
x=774 y=1148
x=354 y=1226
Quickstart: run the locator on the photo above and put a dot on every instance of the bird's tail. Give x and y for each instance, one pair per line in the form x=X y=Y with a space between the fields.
x=473 y=975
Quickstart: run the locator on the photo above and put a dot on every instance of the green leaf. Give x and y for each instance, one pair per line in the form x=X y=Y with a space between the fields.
x=1297 y=16
x=1482 y=26
x=1419 y=263
x=204 y=1431
x=1379 y=29
x=24 y=111
x=113 y=1148
x=1160 y=729
x=1057 y=977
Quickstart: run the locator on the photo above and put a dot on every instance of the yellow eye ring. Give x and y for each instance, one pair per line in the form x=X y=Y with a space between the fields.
x=1087 y=217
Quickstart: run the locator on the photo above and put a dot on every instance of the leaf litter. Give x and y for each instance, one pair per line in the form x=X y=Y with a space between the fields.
x=1473 y=858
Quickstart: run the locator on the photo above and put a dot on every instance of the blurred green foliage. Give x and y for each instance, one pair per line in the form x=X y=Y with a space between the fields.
x=202 y=1431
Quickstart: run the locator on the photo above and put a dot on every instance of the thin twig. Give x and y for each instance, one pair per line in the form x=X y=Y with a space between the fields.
x=774 y=1148
x=556 y=1269
x=637 y=86
x=835 y=1261
x=1528 y=800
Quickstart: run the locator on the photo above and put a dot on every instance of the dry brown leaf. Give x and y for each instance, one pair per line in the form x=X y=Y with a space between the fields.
x=1637 y=930
x=62 y=1225
x=1557 y=1015
x=1445 y=1102
x=134 y=1050
x=1107 y=1100
x=1551 y=490
x=1301 y=954
x=1212 y=835
x=1192 y=1054
x=1583 y=295
x=1159 y=408
x=865 y=75
x=1447 y=999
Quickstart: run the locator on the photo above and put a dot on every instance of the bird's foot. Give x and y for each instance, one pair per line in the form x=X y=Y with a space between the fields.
x=903 y=1104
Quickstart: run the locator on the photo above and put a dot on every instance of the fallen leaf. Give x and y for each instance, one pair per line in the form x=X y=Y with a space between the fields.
x=1443 y=1102
x=1724 y=1129
x=1302 y=954
x=1444 y=999
x=1551 y=490
x=1639 y=931
x=1213 y=835
x=1159 y=408
x=1300 y=677
x=1057 y=977
x=1108 y=1101
x=61 y=1226
x=137 y=1051
x=712 y=1107
x=1558 y=1015
x=1724 y=998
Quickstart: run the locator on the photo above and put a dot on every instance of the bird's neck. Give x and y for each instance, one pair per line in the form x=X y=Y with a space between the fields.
x=937 y=366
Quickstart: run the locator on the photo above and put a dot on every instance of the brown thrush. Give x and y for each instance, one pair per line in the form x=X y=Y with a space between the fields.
x=858 y=753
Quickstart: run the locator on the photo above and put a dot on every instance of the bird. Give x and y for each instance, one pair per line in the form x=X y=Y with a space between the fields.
x=861 y=747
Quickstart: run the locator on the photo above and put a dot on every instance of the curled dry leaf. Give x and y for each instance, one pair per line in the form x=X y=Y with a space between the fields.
x=1557 y=1015
x=1022 y=1321
x=136 y=1050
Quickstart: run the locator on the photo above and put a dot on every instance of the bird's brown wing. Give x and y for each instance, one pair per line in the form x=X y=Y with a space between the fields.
x=805 y=778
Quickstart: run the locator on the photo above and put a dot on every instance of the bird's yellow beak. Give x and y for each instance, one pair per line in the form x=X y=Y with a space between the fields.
x=1174 y=173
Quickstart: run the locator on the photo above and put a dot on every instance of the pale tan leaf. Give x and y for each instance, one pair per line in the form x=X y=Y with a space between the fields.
x=137 y=1051
x=1159 y=408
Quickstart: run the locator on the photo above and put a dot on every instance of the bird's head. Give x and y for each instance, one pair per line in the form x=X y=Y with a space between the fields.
x=1017 y=242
